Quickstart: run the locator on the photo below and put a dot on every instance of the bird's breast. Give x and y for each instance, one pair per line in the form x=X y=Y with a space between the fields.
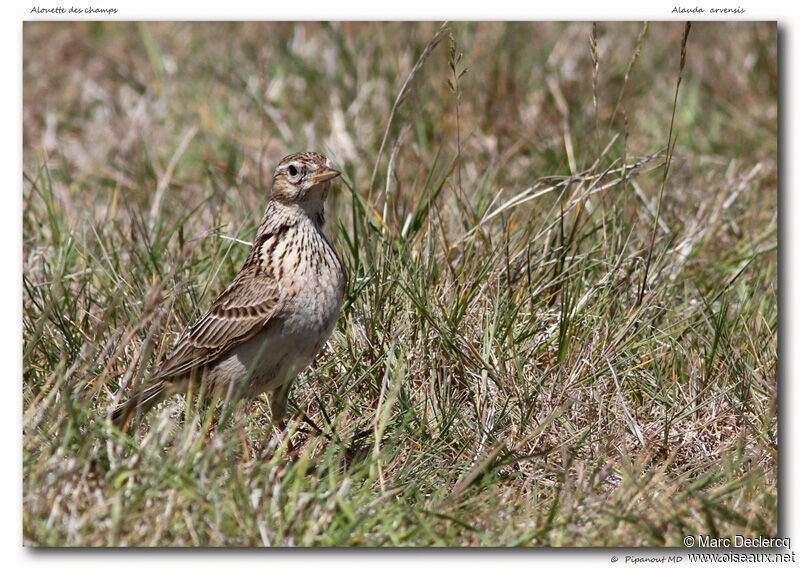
x=313 y=280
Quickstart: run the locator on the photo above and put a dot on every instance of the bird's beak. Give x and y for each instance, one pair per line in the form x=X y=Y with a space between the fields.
x=324 y=175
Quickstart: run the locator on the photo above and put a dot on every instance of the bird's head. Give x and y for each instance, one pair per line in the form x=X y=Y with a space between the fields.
x=303 y=179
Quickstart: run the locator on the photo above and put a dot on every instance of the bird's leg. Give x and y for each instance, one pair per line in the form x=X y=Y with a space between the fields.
x=277 y=406
x=239 y=413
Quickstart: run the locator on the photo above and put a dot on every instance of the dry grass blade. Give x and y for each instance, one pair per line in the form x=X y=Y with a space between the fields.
x=595 y=72
x=634 y=57
x=667 y=163
x=471 y=476
x=165 y=180
x=399 y=99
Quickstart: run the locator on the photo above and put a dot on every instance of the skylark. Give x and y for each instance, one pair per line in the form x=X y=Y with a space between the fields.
x=278 y=312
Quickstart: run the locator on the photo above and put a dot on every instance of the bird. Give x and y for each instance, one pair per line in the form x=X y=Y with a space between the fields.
x=277 y=313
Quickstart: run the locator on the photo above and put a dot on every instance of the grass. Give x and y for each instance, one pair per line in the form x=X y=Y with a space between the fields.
x=549 y=338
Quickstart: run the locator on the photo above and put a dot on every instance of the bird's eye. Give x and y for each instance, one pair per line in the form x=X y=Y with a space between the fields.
x=292 y=171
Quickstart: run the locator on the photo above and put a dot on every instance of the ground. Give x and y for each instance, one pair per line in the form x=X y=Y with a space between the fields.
x=561 y=322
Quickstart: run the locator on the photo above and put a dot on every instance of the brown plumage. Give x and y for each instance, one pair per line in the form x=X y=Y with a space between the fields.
x=278 y=311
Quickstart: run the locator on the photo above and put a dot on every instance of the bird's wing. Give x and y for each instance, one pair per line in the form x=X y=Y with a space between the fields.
x=238 y=314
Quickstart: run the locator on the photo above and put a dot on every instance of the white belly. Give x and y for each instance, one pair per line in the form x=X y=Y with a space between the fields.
x=289 y=343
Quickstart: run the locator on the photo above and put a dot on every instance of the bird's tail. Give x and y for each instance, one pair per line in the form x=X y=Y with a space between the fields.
x=143 y=400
